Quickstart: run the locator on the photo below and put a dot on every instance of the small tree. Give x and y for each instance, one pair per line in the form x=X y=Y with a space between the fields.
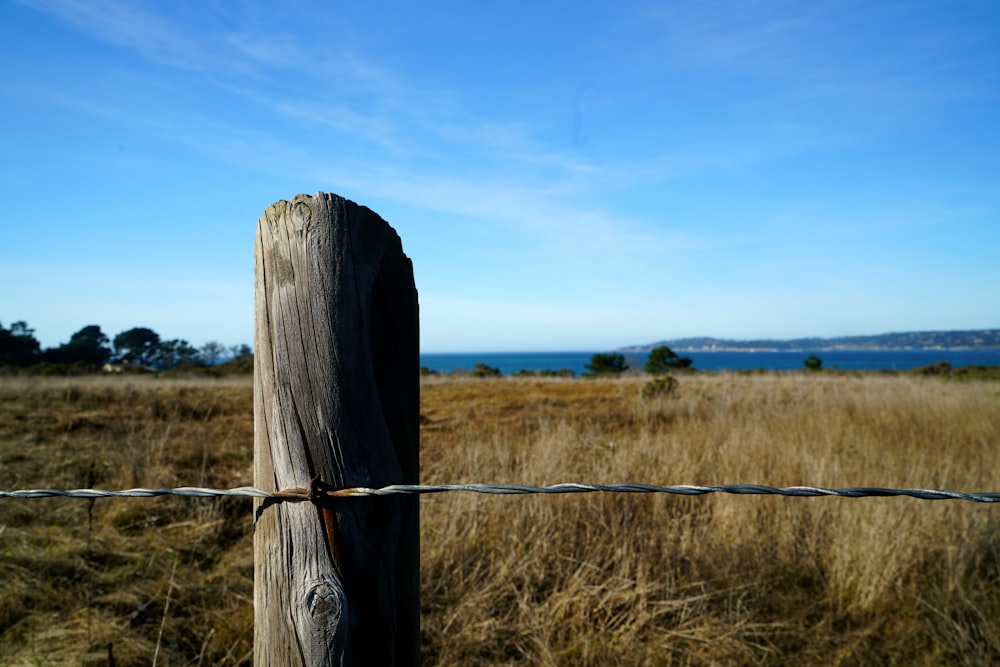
x=663 y=360
x=138 y=345
x=175 y=351
x=18 y=345
x=610 y=363
x=212 y=351
x=89 y=345
x=813 y=363
x=242 y=351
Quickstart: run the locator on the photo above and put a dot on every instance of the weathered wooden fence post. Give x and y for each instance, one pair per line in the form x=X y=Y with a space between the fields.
x=336 y=396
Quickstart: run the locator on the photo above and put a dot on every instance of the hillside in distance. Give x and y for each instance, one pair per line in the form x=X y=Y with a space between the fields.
x=912 y=340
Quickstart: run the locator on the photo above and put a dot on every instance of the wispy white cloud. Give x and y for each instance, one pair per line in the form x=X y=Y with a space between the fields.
x=545 y=223
x=849 y=55
x=128 y=25
x=267 y=47
x=499 y=175
x=347 y=94
x=689 y=99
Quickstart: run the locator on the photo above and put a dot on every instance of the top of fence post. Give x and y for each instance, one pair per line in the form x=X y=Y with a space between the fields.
x=336 y=398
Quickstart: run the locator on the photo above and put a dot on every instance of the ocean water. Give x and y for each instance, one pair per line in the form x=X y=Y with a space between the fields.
x=512 y=362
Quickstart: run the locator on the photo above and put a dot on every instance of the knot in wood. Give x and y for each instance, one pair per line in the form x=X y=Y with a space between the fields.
x=324 y=599
x=301 y=216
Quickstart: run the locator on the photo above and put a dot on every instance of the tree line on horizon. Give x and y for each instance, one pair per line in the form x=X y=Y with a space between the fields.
x=89 y=349
x=661 y=360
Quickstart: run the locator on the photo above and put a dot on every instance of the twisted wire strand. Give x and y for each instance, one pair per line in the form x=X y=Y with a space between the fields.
x=187 y=491
x=682 y=489
x=515 y=489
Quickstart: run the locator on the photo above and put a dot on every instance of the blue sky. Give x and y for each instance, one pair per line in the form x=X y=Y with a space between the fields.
x=564 y=175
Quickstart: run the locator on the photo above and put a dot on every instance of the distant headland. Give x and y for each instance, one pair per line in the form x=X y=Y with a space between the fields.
x=913 y=340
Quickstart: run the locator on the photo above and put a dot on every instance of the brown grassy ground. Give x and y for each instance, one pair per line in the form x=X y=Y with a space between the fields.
x=554 y=580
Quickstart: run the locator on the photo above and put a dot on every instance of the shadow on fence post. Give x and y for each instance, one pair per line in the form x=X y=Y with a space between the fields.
x=336 y=396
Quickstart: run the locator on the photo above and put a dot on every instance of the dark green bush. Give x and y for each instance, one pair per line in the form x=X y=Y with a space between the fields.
x=664 y=385
x=610 y=363
x=665 y=360
x=481 y=370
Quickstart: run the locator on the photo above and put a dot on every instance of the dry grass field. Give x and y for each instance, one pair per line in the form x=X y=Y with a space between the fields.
x=580 y=579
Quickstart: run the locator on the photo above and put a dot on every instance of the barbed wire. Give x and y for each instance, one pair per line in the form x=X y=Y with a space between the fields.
x=295 y=495
x=186 y=491
x=683 y=489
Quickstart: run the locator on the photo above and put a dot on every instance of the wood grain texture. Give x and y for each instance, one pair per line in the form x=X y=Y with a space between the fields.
x=336 y=395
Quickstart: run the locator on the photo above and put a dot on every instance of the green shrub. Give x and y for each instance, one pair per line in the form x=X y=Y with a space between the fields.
x=665 y=360
x=610 y=363
x=940 y=368
x=665 y=385
x=236 y=366
x=481 y=370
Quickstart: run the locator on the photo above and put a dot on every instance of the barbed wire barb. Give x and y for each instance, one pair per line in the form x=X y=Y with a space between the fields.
x=299 y=495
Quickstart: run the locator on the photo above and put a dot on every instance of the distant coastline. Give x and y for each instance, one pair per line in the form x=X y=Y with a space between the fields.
x=512 y=363
x=980 y=339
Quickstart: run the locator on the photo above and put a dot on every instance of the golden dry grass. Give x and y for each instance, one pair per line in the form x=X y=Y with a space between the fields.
x=545 y=580
x=77 y=577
